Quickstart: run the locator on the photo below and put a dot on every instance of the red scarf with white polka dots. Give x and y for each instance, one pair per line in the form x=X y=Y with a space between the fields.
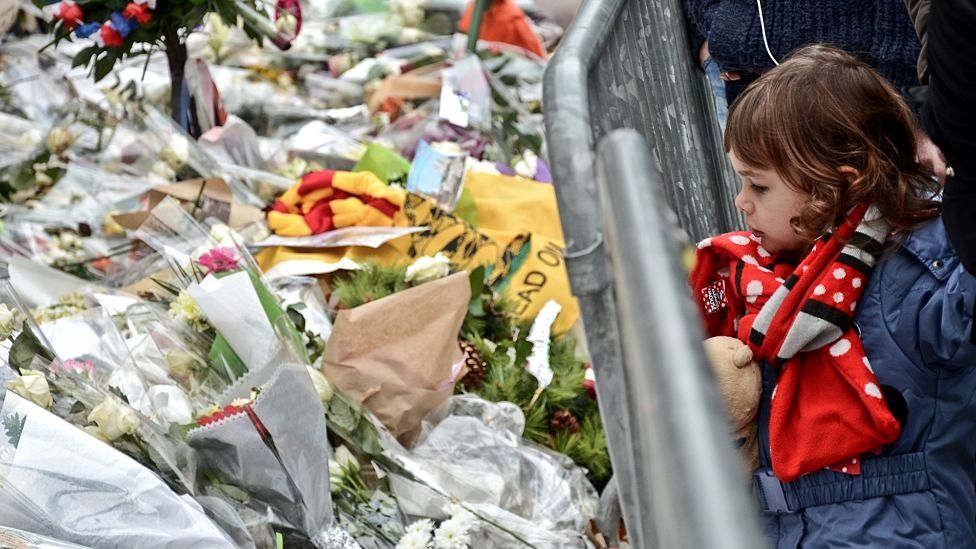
x=827 y=408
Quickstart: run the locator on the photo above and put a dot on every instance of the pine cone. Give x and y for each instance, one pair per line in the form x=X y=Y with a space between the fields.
x=564 y=420
x=477 y=367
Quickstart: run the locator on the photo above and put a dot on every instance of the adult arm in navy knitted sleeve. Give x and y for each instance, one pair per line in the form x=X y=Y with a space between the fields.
x=949 y=116
x=918 y=10
x=928 y=153
x=699 y=14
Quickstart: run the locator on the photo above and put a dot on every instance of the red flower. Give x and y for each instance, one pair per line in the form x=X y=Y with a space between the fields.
x=71 y=14
x=139 y=12
x=110 y=37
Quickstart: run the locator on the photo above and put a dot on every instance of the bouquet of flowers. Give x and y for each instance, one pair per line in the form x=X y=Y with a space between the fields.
x=118 y=29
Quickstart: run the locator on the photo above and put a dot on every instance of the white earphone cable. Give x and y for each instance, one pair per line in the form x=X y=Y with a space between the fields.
x=762 y=25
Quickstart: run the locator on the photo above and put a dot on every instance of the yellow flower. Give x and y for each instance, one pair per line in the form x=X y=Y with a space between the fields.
x=185 y=307
x=114 y=418
x=110 y=227
x=33 y=386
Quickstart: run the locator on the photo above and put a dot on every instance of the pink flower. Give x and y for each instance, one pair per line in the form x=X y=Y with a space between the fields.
x=78 y=367
x=219 y=260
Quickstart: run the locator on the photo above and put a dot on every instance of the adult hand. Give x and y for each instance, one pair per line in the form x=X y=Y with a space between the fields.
x=930 y=156
x=703 y=54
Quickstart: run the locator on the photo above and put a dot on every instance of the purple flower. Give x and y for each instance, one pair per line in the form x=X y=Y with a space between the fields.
x=219 y=260
x=88 y=29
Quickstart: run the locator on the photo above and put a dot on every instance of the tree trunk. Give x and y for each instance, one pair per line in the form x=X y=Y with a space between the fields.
x=176 y=56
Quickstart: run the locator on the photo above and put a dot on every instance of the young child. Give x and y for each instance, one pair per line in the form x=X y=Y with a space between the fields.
x=847 y=290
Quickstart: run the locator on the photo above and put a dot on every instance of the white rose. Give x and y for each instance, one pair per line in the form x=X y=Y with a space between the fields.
x=426 y=269
x=171 y=404
x=33 y=386
x=176 y=153
x=96 y=432
x=183 y=363
x=322 y=385
x=528 y=166
x=6 y=322
x=162 y=170
x=114 y=418
x=342 y=465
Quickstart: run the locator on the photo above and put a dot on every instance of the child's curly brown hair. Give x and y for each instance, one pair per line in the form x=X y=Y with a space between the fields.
x=823 y=109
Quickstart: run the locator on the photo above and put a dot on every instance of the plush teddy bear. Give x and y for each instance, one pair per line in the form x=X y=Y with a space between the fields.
x=739 y=380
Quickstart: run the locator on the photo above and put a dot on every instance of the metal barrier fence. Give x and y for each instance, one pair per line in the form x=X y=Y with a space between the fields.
x=679 y=480
x=627 y=64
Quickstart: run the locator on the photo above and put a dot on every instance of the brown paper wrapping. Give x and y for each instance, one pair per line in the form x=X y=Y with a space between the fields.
x=399 y=355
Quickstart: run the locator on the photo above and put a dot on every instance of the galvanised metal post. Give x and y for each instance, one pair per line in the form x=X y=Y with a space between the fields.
x=683 y=484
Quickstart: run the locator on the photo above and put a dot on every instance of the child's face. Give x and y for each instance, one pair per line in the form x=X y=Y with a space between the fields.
x=768 y=204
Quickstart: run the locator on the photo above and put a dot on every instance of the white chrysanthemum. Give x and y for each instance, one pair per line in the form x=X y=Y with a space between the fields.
x=414 y=540
x=452 y=534
x=425 y=525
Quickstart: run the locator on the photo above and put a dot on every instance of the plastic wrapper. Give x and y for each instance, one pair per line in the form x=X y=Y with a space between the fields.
x=306 y=295
x=321 y=142
x=276 y=450
x=36 y=92
x=173 y=232
x=246 y=527
x=465 y=96
x=19 y=138
x=61 y=482
x=86 y=194
x=170 y=358
x=527 y=490
x=234 y=143
x=424 y=123
x=93 y=363
x=13 y=538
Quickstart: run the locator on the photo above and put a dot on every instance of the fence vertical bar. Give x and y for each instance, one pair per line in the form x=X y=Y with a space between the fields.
x=692 y=489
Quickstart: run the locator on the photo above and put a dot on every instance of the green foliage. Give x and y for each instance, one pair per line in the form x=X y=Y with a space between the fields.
x=14 y=426
x=25 y=348
x=488 y=317
x=374 y=281
x=507 y=380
